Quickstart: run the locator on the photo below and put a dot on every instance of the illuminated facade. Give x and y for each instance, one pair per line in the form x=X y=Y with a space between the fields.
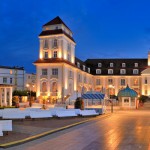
x=59 y=74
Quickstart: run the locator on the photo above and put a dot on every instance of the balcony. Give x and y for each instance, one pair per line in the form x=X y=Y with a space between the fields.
x=43 y=76
x=54 y=76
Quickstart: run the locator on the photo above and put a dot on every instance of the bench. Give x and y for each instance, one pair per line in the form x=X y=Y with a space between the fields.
x=88 y=113
x=5 y=125
x=41 y=114
x=65 y=113
x=13 y=115
x=1 y=132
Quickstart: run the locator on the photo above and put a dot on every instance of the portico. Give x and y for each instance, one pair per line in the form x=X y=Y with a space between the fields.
x=5 y=95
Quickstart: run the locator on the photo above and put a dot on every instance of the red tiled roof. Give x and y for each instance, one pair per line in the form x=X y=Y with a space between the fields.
x=54 y=60
x=53 y=32
x=56 y=20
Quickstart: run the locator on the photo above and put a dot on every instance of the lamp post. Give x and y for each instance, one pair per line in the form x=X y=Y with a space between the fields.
x=111 y=101
x=29 y=86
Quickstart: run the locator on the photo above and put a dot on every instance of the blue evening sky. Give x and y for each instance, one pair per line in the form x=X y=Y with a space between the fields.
x=102 y=28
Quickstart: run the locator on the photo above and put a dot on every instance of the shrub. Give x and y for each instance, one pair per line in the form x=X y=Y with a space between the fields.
x=79 y=103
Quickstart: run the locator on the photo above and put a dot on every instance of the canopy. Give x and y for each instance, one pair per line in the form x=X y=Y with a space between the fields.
x=91 y=95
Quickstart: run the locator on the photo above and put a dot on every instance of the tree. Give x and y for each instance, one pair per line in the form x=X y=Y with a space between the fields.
x=143 y=98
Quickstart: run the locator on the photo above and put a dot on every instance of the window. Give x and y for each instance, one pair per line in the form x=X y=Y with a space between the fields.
x=55 y=54
x=88 y=70
x=44 y=71
x=44 y=87
x=99 y=64
x=135 y=71
x=68 y=56
x=123 y=65
x=28 y=77
x=10 y=71
x=123 y=82
x=98 y=82
x=111 y=64
x=79 y=78
x=70 y=74
x=122 y=71
x=56 y=27
x=10 y=80
x=78 y=64
x=145 y=92
x=110 y=81
x=126 y=100
x=98 y=71
x=145 y=81
x=135 y=82
x=45 y=54
x=54 y=71
x=83 y=67
x=4 y=80
x=69 y=46
x=45 y=44
x=110 y=71
x=55 y=45
x=135 y=64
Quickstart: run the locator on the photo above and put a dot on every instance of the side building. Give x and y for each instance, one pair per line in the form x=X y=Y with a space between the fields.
x=60 y=74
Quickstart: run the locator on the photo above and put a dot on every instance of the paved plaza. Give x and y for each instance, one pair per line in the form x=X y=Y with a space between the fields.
x=124 y=130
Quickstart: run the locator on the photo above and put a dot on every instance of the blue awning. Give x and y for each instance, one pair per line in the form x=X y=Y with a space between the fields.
x=93 y=96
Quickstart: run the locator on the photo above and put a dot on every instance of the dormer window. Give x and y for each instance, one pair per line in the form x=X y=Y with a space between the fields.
x=45 y=46
x=123 y=65
x=55 y=44
x=88 y=70
x=83 y=67
x=111 y=65
x=135 y=64
x=99 y=64
x=110 y=71
x=78 y=64
x=98 y=71
x=135 y=71
x=122 y=71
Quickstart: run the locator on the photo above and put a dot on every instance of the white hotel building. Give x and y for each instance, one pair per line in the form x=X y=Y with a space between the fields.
x=60 y=74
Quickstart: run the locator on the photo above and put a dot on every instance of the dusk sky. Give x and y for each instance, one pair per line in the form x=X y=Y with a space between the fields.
x=101 y=28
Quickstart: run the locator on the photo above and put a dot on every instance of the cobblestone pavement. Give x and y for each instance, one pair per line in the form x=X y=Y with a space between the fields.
x=124 y=130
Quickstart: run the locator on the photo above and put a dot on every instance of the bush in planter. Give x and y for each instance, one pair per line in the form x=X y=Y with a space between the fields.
x=79 y=103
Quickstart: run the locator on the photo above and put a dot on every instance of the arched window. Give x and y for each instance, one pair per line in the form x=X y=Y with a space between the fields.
x=45 y=44
x=54 y=87
x=44 y=87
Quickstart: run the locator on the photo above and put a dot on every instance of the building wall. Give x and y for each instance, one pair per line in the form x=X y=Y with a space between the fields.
x=16 y=75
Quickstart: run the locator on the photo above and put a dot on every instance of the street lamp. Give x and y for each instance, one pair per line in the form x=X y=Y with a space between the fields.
x=111 y=101
x=29 y=86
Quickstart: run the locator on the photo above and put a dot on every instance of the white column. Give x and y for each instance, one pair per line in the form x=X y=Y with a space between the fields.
x=10 y=96
x=5 y=96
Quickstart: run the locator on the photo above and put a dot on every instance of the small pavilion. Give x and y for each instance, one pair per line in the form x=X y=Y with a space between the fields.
x=128 y=98
x=5 y=95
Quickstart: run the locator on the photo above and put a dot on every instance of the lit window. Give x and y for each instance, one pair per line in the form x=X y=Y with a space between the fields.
x=44 y=71
x=135 y=81
x=111 y=64
x=54 y=71
x=123 y=65
x=98 y=71
x=45 y=44
x=135 y=71
x=110 y=71
x=135 y=64
x=122 y=71
x=4 y=80
x=10 y=71
x=55 y=54
x=99 y=64
x=123 y=82
x=98 y=82
x=110 y=81
x=46 y=55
